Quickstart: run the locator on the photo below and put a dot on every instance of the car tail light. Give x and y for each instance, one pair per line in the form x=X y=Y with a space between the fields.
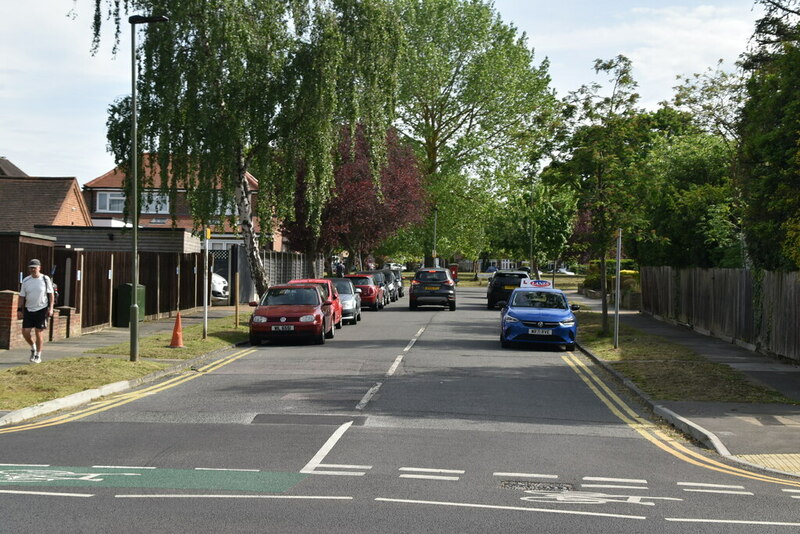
x=415 y=282
x=449 y=283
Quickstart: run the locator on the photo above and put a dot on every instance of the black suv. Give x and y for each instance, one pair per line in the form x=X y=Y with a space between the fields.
x=432 y=286
x=501 y=285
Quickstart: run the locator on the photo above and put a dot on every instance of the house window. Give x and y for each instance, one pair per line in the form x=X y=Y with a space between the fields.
x=155 y=203
x=110 y=201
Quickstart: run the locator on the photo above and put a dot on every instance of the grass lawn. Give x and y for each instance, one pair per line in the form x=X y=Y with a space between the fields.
x=221 y=334
x=667 y=371
x=27 y=385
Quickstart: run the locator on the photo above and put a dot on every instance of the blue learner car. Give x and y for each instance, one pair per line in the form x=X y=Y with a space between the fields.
x=538 y=315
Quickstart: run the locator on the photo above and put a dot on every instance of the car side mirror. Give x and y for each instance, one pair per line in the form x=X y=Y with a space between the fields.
x=327 y=302
x=358 y=290
x=574 y=307
x=253 y=303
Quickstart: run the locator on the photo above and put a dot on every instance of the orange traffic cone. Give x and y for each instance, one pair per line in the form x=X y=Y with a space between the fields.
x=177 y=334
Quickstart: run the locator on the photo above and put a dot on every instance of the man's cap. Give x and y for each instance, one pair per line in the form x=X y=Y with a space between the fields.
x=34 y=263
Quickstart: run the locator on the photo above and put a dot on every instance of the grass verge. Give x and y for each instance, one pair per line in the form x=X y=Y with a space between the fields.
x=221 y=334
x=667 y=371
x=27 y=385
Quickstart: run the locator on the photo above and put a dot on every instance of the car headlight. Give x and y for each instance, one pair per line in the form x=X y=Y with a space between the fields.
x=259 y=319
x=307 y=319
x=510 y=319
x=349 y=305
x=567 y=322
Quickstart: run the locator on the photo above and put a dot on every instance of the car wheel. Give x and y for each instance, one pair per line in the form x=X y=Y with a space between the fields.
x=569 y=346
x=452 y=306
x=255 y=340
x=490 y=305
x=412 y=305
x=340 y=323
x=358 y=316
x=332 y=332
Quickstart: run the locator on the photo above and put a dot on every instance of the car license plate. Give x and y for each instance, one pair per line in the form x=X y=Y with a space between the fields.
x=431 y=288
x=539 y=332
x=283 y=328
x=510 y=287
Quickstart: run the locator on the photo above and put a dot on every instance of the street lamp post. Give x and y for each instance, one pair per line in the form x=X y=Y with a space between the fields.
x=134 y=205
x=435 y=222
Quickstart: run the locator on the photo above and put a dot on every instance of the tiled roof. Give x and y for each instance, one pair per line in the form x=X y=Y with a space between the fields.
x=113 y=179
x=26 y=201
x=9 y=169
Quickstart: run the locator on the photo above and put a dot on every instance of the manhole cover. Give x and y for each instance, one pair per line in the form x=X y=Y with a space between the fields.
x=539 y=486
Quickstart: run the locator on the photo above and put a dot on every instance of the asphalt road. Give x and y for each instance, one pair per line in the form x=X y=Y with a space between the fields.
x=408 y=422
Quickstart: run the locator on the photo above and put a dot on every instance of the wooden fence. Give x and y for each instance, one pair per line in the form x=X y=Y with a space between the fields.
x=762 y=312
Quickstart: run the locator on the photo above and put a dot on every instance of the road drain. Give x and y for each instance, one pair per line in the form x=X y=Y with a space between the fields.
x=526 y=485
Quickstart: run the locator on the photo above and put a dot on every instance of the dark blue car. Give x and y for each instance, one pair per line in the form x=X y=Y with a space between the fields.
x=538 y=315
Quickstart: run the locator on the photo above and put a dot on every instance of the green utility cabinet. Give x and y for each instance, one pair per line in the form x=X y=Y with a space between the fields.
x=123 y=297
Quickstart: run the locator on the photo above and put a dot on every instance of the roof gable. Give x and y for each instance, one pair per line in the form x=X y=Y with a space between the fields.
x=27 y=201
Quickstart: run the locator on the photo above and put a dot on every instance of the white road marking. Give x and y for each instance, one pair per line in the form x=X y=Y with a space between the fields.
x=430 y=477
x=604 y=479
x=225 y=469
x=702 y=485
x=426 y=470
x=346 y=466
x=513 y=508
x=523 y=475
x=366 y=398
x=394 y=366
x=397 y=361
x=177 y=496
x=613 y=486
x=24 y=465
x=119 y=467
x=791 y=491
x=326 y=448
x=726 y=492
x=47 y=493
x=731 y=522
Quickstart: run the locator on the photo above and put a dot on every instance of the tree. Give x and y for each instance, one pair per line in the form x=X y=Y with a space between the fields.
x=234 y=86
x=470 y=100
x=769 y=158
x=362 y=211
x=610 y=135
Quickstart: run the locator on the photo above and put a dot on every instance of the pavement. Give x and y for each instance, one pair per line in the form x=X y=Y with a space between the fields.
x=763 y=435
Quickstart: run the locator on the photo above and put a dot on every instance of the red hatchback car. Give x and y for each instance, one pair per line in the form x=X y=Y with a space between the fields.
x=329 y=292
x=291 y=311
x=372 y=294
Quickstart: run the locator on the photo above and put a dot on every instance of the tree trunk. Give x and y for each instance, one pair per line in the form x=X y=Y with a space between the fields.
x=258 y=272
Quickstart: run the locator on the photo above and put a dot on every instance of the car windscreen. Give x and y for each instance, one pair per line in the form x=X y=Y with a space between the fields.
x=539 y=299
x=361 y=280
x=290 y=296
x=343 y=285
x=431 y=276
x=389 y=276
x=508 y=280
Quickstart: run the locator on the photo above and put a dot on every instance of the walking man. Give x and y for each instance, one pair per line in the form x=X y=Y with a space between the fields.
x=36 y=306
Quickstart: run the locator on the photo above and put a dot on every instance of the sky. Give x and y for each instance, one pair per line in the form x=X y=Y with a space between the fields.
x=54 y=95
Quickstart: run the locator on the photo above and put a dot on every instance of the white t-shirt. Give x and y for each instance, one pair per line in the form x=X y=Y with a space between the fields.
x=35 y=291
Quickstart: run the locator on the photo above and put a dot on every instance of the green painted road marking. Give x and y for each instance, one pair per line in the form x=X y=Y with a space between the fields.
x=261 y=482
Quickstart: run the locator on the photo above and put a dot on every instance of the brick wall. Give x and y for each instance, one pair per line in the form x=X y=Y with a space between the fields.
x=65 y=323
x=71 y=212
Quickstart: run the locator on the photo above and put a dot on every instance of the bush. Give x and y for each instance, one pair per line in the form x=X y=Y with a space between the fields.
x=592 y=281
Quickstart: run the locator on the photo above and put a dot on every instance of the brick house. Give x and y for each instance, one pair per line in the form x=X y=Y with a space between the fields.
x=105 y=197
x=26 y=201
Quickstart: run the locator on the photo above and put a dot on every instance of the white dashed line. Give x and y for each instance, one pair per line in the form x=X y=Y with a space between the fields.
x=394 y=366
x=430 y=477
x=119 y=467
x=47 y=493
x=427 y=470
x=323 y=452
x=621 y=480
x=524 y=475
x=397 y=361
x=24 y=465
x=731 y=522
x=613 y=486
x=368 y=396
x=191 y=496
x=225 y=469
x=726 y=492
x=702 y=485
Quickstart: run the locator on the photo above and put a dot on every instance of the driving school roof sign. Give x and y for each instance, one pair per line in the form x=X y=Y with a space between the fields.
x=527 y=282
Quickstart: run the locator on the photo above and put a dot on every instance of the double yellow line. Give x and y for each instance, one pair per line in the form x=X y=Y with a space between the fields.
x=125 y=398
x=651 y=432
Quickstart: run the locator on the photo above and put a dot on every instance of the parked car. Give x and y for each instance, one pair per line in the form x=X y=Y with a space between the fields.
x=290 y=311
x=539 y=315
x=219 y=289
x=393 y=266
x=563 y=270
x=350 y=296
x=432 y=286
x=391 y=285
x=501 y=285
x=329 y=292
x=371 y=292
x=399 y=282
x=380 y=279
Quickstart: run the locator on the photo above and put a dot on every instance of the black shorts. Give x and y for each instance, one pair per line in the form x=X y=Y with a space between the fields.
x=34 y=319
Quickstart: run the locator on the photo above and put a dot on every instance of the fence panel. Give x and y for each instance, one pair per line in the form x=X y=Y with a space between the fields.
x=97 y=273
x=780 y=333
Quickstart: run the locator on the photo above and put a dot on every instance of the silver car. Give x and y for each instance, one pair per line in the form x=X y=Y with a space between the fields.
x=350 y=296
